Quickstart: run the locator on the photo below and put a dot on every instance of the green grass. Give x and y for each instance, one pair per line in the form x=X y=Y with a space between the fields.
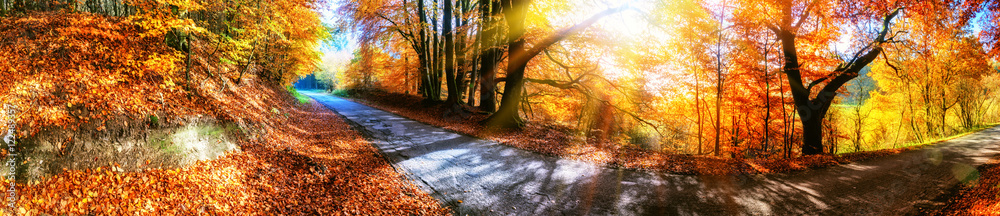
x=970 y=131
x=298 y=96
x=942 y=139
x=844 y=106
x=164 y=143
x=342 y=93
x=844 y=148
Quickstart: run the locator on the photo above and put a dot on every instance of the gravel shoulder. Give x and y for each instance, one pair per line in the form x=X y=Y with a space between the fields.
x=480 y=177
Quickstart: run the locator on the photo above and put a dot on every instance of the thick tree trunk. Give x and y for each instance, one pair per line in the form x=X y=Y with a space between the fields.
x=449 y=54
x=487 y=76
x=507 y=116
x=489 y=10
x=812 y=137
x=459 y=52
x=423 y=53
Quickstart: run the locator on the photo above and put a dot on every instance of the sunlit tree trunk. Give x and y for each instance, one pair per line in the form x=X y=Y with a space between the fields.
x=473 y=51
x=474 y=72
x=719 y=83
x=697 y=107
x=507 y=115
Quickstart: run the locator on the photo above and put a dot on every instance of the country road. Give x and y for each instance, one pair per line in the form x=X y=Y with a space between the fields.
x=479 y=177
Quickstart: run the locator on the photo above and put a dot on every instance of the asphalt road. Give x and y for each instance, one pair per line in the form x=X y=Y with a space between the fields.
x=478 y=177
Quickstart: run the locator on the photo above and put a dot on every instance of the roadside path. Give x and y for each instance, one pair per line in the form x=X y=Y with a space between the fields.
x=479 y=177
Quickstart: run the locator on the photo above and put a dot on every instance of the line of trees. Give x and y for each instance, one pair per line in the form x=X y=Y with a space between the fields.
x=464 y=46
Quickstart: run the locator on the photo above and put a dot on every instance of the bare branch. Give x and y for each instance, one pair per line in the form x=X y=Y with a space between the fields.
x=804 y=16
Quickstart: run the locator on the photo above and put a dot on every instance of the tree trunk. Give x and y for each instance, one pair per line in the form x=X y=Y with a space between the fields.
x=767 y=101
x=489 y=10
x=187 y=60
x=719 y=82
x=697 y=107
x=474 y=71
x=434 y=75
x=422 y=53
x=812 y=137
x=507 y=116
x=449 y=54
x=459 y=52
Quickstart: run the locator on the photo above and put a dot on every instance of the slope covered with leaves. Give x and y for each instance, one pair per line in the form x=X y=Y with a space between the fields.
x=311 y=164
x=77 y=72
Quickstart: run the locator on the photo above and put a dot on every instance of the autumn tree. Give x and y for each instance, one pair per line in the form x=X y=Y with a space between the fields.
x=790 y=21
x=519 y=53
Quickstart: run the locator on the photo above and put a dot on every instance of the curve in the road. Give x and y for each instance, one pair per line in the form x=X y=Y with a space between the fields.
x=479 y=177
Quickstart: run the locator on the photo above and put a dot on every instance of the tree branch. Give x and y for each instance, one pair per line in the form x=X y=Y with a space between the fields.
x=804 y=16
x=851 y=70
x=562 y=34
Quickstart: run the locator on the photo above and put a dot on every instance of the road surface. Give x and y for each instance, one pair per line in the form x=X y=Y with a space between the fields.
x=479 y=177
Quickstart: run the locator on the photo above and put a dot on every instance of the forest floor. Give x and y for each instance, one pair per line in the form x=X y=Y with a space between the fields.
x=475 y=176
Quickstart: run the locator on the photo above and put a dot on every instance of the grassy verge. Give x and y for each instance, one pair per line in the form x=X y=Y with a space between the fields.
x=298 y=96
x=942 y=139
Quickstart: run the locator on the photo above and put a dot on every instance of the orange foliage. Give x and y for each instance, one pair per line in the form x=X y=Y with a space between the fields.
x=68 y=69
